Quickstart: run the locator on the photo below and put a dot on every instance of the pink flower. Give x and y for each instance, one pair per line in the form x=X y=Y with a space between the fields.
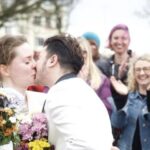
x=36 y=129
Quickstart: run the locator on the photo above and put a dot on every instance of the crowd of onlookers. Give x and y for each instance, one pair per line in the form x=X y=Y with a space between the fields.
x=128 y=86
x=76 y=77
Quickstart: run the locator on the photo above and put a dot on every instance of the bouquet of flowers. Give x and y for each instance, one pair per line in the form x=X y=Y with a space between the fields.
x=33 y=132
x=8 y=127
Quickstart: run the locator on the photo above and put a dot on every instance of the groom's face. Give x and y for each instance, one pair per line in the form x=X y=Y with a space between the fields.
x=41 y=68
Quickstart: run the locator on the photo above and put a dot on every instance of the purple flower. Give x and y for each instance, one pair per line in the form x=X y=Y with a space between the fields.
x=25 y=131
x=39 y=117
x=35 y=129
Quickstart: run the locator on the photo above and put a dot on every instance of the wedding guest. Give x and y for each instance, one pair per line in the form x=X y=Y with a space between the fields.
x=17 y=72
x=77 y=119
x=95 y=42
x=133 y=119
x=117 y=65
x=94 y=77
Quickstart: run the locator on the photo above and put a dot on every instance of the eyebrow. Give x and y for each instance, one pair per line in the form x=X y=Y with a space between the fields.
x=28 y=57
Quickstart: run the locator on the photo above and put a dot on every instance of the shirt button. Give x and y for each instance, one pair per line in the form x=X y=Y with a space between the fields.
x=145 y=140
x=144 y=125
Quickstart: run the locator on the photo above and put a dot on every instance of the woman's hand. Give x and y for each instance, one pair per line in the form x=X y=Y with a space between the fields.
x=119 y=86
x=148 y=87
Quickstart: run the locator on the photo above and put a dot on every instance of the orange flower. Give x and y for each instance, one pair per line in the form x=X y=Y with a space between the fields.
x=8 y=132
x=1 y=119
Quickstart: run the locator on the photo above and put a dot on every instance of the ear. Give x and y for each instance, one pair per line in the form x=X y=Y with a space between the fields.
x=52 y=61
x=4 y=70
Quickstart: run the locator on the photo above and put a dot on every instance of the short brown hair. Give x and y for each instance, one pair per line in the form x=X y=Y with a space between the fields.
x=68 y=50
x=7 y=45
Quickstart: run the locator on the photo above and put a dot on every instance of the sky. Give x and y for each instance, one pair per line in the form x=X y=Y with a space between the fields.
x=100 y=16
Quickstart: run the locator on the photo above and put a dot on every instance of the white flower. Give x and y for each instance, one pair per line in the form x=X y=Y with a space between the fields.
x=13 y=119
x=27 y=119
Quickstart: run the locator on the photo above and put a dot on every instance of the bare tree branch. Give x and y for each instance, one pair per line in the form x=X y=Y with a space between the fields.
x=12 y=10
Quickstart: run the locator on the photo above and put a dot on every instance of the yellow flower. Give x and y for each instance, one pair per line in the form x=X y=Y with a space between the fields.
x=38 y=144
x=3 y=122
x=8 y=111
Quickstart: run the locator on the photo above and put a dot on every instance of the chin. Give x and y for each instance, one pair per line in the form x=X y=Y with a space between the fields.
x=143 y=84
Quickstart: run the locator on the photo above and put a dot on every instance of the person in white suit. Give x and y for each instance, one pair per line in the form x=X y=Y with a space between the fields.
x=77 y=119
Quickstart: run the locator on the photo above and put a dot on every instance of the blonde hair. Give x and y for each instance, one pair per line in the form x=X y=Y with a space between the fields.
x=94 y=74
x=132 y=83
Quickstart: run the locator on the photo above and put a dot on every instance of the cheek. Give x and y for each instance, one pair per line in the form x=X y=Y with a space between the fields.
x=39 y=66
x=18 y=75
x=126 y=43
x=112 y=44
x=137 y=78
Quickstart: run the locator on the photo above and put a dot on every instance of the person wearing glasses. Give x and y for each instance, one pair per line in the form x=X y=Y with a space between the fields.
x=133 y=120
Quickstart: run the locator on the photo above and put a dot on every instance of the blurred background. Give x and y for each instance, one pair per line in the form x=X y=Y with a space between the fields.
x=39 y=19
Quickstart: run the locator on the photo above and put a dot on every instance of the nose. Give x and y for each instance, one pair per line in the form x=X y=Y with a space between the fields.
x=141 y=71
x=33 y=64
x=120 y=41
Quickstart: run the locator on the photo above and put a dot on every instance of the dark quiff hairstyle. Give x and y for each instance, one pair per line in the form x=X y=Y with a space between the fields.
x=7 y=45
x=68 y=51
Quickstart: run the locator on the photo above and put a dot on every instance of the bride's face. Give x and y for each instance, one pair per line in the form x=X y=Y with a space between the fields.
x=21 y=71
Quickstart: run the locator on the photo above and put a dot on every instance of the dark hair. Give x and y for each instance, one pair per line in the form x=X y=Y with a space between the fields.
x=68 y=50
x=7 y=45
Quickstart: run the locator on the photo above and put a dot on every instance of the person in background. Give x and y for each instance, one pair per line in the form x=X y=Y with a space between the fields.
x=77 y=119
x=94 y=42
x=94 y=77
x=134 y=118
x=116 y=67
x=17 y=72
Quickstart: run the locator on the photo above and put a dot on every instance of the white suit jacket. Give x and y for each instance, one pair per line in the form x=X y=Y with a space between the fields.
x=77 y=118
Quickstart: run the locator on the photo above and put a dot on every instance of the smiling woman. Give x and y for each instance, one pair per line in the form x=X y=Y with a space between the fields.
x=133 y=119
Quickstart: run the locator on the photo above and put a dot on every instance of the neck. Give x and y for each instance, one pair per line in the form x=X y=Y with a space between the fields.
x=142 y=90
x=10 y=85
x=120 y=58
x=58 y=75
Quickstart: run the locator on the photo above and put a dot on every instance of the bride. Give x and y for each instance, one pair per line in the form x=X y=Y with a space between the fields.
x=17 y=72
